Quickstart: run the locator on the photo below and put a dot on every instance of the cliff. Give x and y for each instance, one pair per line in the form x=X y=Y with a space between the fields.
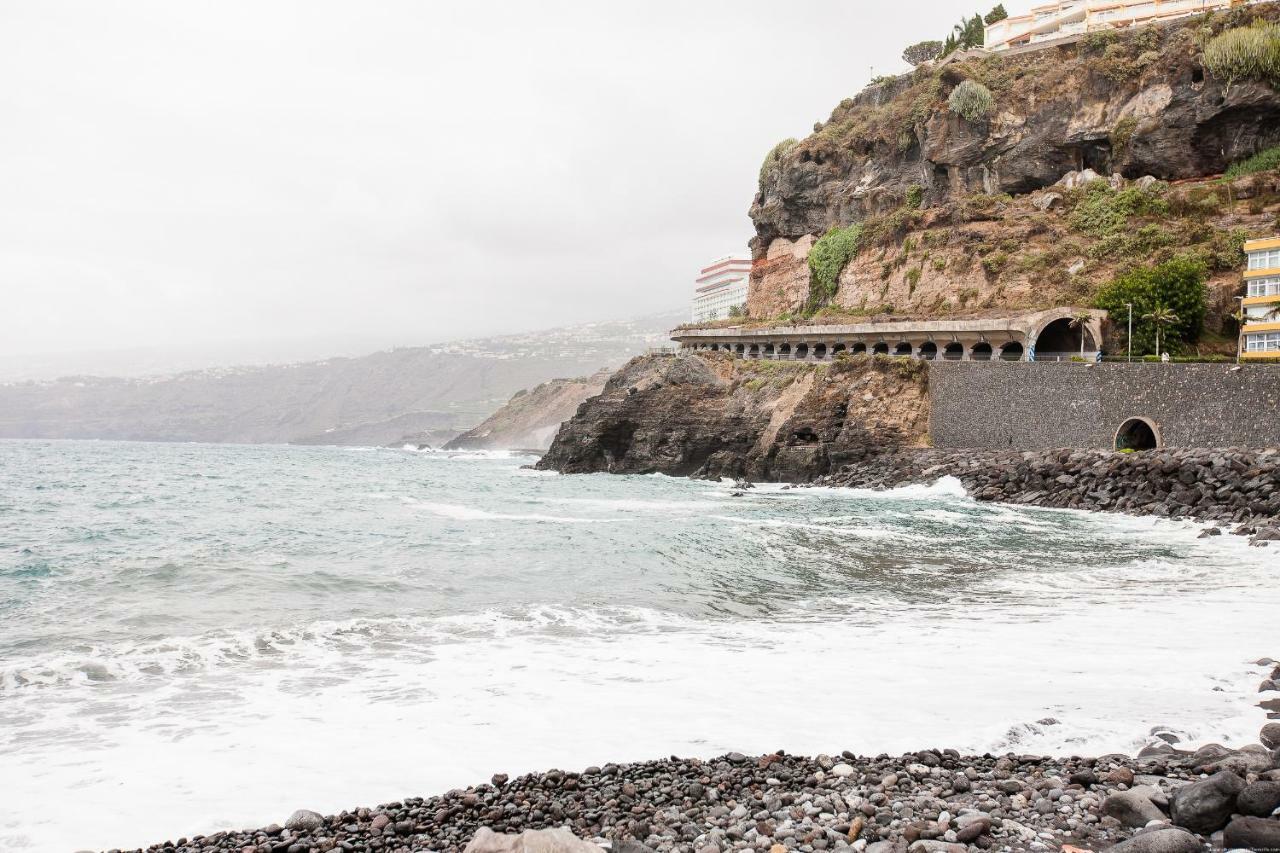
x=960 y=216
x=708 y=415
x=531 y=418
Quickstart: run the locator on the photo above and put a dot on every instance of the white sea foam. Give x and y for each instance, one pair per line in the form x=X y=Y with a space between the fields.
x=328 y=634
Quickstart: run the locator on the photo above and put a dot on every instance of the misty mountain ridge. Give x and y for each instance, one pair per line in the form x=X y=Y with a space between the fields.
x=443 y=388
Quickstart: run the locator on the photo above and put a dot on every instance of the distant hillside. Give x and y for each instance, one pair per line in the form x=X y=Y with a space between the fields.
x=372 y=399
x=530 y=419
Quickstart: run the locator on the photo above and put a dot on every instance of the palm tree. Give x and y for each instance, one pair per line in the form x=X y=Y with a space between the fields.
x=1161 y=316
x=1078 y=322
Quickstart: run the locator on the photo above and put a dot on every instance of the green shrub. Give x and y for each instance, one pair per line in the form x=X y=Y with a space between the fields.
x=1177 y=284
x=995 y=262
x=1121 y=135
x=775 y=154
x=1103 y=211
x=971 y=100
x=1245 y=53
x=827 y=259
x=1263 y=161
x=913 y=278
x=915 y=195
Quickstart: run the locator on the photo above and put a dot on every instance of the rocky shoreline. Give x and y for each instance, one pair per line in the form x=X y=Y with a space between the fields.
x=1164 y=800
x=1233 y=487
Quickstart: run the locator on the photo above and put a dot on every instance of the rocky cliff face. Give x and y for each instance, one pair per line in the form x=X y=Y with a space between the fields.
x=709 y=415
x=1131 y=104
x=530 y=419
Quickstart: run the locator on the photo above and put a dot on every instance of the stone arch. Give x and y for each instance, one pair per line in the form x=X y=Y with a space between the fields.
x=928 y=350
x=819 y=352
x=753 y=351
x=802 y=352
x=1139 y=434
x=769 y=351
x=739 y=349
x=1058 y=339
x=784 y=351
x=837 y=349
x=903 y=348
x=857 y=348
x=981 y=351
x=1012 y=351
x=954 y=351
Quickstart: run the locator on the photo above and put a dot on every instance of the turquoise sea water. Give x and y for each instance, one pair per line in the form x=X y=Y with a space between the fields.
x=197 y=637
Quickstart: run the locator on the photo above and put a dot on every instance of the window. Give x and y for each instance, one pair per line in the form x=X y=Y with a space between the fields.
x=1265 y=260
x=1265 y=342
x=1264 y=287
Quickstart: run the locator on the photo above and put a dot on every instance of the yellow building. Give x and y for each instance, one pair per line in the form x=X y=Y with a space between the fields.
x=1075 y=17
x=1260 y=334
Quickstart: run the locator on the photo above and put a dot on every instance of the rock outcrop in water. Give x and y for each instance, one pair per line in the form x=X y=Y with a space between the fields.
x=531 y=418
x=709 y=415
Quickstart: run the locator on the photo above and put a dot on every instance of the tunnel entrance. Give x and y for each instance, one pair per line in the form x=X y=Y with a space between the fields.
x=980 y=352
x=880 y=349
x=928 y=350
x=903 y=348
x=1138 y=434
x=1059 y=340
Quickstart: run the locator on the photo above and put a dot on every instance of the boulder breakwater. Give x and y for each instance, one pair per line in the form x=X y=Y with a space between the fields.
x=1165 y=800
x=1231 y=487
x=865 y=422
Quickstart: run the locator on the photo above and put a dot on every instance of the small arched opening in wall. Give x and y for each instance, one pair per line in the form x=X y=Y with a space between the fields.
x=784 y=351
x=739 y=349
x=857 y=349
x=928 y=350
x=754 y=352
x=802 y=351
x=820 y=351
x=902 y=348
x=768 y=351
x=837 y=349
x=953 y=352
x=880 y=349
x=980 y=352
x=1139 y=434
x=1012 y=351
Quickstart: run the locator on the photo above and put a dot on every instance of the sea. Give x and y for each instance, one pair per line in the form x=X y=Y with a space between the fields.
x=201 y=637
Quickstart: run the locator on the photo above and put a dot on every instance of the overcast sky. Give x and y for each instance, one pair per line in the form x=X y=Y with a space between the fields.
x=177 y=174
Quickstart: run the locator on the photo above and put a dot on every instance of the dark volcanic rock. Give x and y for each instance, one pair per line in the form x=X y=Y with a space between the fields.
x=1252 y=833
x=1205 y=807
x=710 y=415
x=1166 y=840
x=1259 y=799
x=1064 y=110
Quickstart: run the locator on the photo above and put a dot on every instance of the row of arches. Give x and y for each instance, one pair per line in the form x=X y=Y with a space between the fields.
x=822 y=351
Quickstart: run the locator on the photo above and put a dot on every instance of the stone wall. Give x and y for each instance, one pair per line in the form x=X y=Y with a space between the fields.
x=1034 y=406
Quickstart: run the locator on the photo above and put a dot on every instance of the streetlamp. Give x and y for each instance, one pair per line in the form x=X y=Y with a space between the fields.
x=1130 y=304
x=1239 y=328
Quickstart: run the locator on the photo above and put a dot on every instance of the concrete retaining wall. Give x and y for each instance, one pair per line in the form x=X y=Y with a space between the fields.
x=1034 y=406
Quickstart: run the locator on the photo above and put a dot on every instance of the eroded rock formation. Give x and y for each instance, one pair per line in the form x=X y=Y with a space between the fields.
x=706 y=414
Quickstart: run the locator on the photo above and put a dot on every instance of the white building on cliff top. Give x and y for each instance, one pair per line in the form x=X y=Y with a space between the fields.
x=1074 y=17
x=721 y=287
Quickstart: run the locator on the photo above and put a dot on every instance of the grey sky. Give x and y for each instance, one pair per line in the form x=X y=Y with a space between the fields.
x=221 y=173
